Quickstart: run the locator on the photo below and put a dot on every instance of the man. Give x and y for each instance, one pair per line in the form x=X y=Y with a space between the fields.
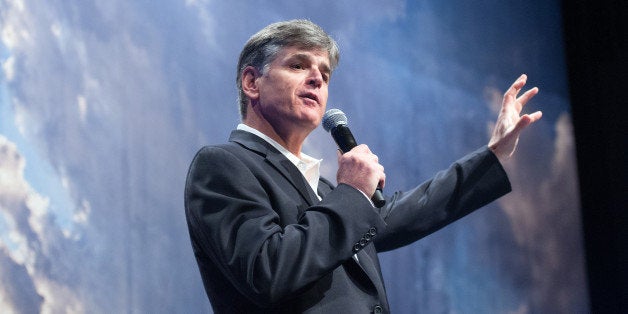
x=270 y=236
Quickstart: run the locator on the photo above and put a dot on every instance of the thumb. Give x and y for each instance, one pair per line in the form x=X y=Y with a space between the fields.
x=523 y=122
x=526 y=120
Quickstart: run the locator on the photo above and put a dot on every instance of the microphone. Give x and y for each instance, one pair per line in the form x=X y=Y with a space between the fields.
x=335 y=122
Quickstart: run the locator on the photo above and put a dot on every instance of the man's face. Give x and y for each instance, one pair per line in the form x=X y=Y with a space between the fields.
x=293 y=89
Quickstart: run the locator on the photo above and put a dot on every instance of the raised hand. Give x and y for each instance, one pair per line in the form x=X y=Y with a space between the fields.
x=510 y=122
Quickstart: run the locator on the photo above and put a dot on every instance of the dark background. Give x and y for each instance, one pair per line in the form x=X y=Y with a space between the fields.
x=596 y=37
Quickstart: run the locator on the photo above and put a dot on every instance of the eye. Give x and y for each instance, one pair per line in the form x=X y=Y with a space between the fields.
x=297 y=66
x=326 y=78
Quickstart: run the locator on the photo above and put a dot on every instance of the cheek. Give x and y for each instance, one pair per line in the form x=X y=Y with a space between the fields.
x=323 y=97
x=273 y=96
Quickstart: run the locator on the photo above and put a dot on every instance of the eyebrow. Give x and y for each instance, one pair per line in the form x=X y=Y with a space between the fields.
x=324 y=67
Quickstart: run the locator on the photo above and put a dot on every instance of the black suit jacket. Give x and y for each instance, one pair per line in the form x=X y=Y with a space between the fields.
x=264 y=243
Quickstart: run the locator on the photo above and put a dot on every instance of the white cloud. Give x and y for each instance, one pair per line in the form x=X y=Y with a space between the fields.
x=8 y=67
x=82 y=107
x=12 y=165
x=9 y=36
x=55 y=29
x=545 y=220
x=81 y=216
x=21 y=119
x=17 y=4
x=27 y=238
x=96 y=65
x=58 y=298
x=529 y=205
x=39 y=210
x=14 y=32
x=16 y=244
x=6 y=305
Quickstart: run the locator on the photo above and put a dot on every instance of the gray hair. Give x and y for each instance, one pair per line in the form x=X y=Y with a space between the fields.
x=262 y=48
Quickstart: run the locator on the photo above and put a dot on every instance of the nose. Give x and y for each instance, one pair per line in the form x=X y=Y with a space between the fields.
x=315 y=79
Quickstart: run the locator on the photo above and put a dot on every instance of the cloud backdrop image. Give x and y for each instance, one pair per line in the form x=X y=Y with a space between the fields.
x=103 y=104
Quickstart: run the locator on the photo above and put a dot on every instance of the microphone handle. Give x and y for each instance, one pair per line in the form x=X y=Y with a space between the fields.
x=345 y=141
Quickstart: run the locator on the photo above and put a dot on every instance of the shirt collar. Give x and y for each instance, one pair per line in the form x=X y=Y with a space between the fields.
x=307 y=165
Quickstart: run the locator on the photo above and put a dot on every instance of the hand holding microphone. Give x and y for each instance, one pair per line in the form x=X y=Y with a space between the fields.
x=358 y=166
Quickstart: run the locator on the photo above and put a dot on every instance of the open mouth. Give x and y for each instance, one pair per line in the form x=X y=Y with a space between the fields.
x=310 y=96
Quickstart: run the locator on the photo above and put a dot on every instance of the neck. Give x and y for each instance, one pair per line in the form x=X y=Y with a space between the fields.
x=288 y=138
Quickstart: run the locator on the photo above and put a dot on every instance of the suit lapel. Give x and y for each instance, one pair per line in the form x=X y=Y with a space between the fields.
x=284 y=166
x=296 y=178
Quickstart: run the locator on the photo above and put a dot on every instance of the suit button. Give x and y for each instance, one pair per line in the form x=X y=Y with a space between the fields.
x=377 y=309
x=373 y=231
x=363 y=242
x=356 y=247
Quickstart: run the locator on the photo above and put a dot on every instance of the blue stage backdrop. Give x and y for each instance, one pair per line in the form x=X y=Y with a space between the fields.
x=104 y=103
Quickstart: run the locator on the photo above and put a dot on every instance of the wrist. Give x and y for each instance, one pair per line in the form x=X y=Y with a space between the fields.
x=500 y=155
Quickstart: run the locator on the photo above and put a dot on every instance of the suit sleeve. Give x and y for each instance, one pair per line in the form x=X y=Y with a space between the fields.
x=468 y=184
x=231 y=221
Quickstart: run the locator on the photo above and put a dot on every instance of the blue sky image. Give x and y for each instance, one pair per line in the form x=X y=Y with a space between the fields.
x=103 y=104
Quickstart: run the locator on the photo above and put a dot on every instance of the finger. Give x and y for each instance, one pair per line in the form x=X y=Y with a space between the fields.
x=517 y=85
x=525 y=121
x=382 y=179
x=521 y=124
x=362 y=148
x=535 y=116
x=511 y=94
x=523 y=99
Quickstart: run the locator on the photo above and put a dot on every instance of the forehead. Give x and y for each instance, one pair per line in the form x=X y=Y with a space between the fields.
x=312 y=54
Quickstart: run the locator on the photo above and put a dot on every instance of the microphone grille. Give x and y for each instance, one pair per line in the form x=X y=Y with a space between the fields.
x=333 y=118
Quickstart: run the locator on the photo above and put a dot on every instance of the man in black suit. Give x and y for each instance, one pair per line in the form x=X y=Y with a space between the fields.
x=270 y=235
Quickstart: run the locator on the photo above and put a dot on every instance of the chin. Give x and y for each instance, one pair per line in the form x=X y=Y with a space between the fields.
x=310 y=123
x=316 y=120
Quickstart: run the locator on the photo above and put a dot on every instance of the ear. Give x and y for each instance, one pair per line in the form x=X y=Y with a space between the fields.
x=249 y=82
